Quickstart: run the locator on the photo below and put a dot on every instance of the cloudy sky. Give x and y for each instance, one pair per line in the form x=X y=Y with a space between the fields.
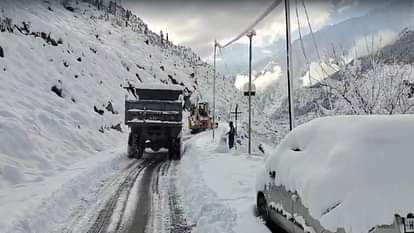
x=197 y=23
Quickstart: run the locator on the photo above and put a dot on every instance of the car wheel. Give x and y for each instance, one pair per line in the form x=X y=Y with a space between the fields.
x=262 y=208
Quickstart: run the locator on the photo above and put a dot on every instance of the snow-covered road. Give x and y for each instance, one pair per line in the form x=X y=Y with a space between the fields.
x=210 y=190
x=140 y=199
x=107 y=193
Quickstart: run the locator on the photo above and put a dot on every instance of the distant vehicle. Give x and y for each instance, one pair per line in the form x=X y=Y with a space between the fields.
x=200 y=119
x=341 y=174
x=155 y=120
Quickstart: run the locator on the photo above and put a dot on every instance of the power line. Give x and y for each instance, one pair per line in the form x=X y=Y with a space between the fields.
x=315 y=44
x=310 y=30
x=314 y=40
x=302 y=44
x=300 y=32
x=317 y=52
x=301 y=41
x=257 y=21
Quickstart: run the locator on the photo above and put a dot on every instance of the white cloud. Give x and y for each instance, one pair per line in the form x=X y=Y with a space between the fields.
x=274 y=26
x=318 y=71
x=261 y=81
x=197 y=25
x=371 y=43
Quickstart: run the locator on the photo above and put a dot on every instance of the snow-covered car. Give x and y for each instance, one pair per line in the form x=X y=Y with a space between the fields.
x=348 y=174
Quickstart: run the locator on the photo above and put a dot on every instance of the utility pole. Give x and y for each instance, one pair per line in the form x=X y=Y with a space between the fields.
x=214 y=86
x=289 y=67
x=250 y=35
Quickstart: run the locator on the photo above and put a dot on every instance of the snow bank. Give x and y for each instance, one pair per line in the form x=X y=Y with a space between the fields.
x=160 y=86
x=46 y=206
x=201 y=204
x=352 y=172
x=217 y=186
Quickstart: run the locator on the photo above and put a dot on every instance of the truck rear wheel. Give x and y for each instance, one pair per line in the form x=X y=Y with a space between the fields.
x=131 y=147
x=140 y=151
x=178 y=149
x=174 y=150
x=135 y=147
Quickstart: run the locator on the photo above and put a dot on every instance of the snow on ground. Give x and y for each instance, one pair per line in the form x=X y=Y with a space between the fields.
x=218 y=186
x=46 y=205
x=352 y=172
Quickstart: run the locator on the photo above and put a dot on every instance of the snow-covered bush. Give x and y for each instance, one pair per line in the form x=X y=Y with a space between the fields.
x=384 y=89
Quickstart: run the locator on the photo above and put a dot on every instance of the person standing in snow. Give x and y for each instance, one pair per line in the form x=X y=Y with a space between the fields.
x=231 y=135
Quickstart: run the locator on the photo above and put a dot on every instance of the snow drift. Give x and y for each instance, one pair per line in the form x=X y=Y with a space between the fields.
x=359 y=165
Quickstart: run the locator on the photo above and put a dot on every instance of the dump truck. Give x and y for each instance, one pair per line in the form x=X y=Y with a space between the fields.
x=154 y=117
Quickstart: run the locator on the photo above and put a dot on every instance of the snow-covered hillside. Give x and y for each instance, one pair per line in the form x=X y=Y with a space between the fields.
x=62 y=75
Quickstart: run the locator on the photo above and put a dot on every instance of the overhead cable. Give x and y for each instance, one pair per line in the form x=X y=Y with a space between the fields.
x=318 y=54
x=310 y=29
x=314 y=41
x=257 y=21
x=300 y=33
x=302 y=45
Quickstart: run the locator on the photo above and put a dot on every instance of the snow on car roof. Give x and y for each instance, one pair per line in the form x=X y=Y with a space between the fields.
x=352 y=172
x=160 y=86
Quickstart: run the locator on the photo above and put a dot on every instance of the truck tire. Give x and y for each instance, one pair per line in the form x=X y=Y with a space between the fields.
x=140 y=151
x=174 y=151
x=131 y=146
x=135 y=147
x=171 y=149
x=178 y=149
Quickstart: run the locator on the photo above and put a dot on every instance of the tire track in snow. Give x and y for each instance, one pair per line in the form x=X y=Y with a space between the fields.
x=166 y=209
x=178 y=223
x=143 y=209
x=105 y=214
x=149 y=186
x=82 y=215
